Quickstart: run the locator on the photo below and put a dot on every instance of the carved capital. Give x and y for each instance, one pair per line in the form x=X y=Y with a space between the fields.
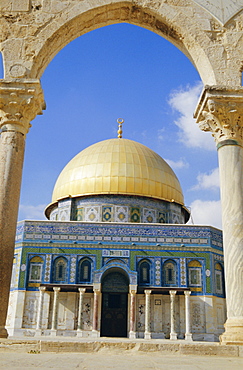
x=220 y=110
x=20 y=102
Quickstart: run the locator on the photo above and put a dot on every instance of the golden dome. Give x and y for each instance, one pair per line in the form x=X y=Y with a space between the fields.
x=118 y=166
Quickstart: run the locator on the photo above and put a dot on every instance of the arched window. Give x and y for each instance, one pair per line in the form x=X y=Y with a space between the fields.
x=60 y=270
x=169 y=273
x=144 y=273
x=84 y=273
x=35 y=269
x=195 y=273
x=218 y=278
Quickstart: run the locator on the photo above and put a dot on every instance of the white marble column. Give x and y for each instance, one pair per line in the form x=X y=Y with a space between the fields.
x=220 y=110
x=80 y=311
x=20 y=101
x=54 y=311
x=173 y=335
x=188 y=334
x=132 y=321
x=95 y=329
x=147 y=333
x=39 y=311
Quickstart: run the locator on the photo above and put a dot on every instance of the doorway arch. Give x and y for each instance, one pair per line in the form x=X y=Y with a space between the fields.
x=114 y=306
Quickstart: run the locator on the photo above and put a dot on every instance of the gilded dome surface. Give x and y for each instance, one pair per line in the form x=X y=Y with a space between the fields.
x=118 y=166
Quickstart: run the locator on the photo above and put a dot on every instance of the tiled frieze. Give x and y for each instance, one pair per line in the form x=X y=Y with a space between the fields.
x=164 y=233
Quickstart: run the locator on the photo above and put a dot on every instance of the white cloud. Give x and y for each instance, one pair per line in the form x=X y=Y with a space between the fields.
x=181 y=163
x=29 y=212
x=161 y=133
x=184 y=101
x=206 y=213
x=208 y=181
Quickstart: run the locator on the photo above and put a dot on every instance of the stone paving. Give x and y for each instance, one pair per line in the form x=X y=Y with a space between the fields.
x=114 y=353
x=107 y=359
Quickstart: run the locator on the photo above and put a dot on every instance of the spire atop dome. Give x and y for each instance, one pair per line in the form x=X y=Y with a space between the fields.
x=120 y=121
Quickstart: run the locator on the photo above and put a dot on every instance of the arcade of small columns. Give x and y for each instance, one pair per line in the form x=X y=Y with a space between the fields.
x=220 y=110
x=132 y=313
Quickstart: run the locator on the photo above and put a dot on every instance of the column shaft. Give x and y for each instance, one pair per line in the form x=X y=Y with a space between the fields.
x=54 y=309
x=147 y=333
x=132 y=331
x=231 y=184
x=39 y=312
x=80 y=310
x=173 y=334
x=12 y=147
x=188 y=334
x=95 y=313
x=20 y=101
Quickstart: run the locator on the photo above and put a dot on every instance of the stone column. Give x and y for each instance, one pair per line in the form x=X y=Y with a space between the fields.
x=188 y=334
x=132 y=326
x=80 y=310
x=147 y=333
x=220 y=110
x=54 y=311
x=173 y=334
x=95 y=330
x=20 y=102
x=39 y=311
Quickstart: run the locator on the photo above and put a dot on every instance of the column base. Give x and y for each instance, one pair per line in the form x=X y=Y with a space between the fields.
x=173 y=336
x=95 y=334
x=3 y=332
x=188 y=337
x=132 y=334
x=80 y=333
x=53 y=333
x=233 y=331
x=147 y=335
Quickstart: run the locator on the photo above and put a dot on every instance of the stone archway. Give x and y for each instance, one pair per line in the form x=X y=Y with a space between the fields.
x=209 y=33
x=114 y=308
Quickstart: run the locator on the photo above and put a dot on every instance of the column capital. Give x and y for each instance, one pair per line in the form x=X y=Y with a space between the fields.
x=187 y=293
x=56 y=289
x=133 y=289
x=148 y=291
x=42 y=288
x=97 y=288
x=20 y=102
x=172 y=293
x=82 y=290
x=220 y=111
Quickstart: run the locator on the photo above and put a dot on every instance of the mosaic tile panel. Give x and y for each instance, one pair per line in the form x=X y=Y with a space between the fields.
x=121 y=214
x=47 y=274
x=157 y=271
x=92 y=214
x=183 y=271
x=107 y=213
x=80 y=214
x=135 y=214
x=73 y=269
x=149 y=216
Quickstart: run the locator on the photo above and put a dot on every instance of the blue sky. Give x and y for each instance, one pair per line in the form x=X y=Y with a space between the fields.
x=121 y=71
